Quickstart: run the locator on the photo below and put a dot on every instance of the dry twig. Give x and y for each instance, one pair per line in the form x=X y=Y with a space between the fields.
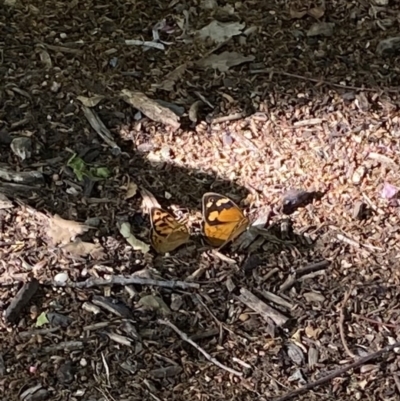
x=206 y=355
x=368 y=319
x=338 y=372
x=341 y=323
x=312 y=267
x=119 y=280
x=319 y=81
x=231 y=117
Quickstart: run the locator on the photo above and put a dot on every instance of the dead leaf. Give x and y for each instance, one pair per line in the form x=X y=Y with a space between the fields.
x=150 y=108
x=294 y=14
x=90 y=101
x=209 y=4
x=321 y=29
x=224 y=61
x=136 y=244
x=131 y=190
x=62 y=231
x=5 y=203
x=104 y=133
x=169 y=82
x=81 y=248
x=228 y=9
x=362 y=102
x=154 y=303
x=149 y=200
x=10 y=3
x=316 y=12
x=219 y=32
x=193 y=111
x=148 y=272
x=388 y=46
x=45 y=59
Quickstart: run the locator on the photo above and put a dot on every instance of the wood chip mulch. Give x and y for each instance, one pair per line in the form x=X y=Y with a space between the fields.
x=291 y=108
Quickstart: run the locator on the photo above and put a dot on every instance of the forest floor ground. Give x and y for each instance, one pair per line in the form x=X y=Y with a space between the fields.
x=290 y=108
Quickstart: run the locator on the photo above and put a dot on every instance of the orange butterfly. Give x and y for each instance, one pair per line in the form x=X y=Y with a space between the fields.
x=223 y=220
x=166 y=232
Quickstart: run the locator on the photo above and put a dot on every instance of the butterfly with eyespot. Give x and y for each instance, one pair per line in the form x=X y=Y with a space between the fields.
x=166 y=232
x=223 y=220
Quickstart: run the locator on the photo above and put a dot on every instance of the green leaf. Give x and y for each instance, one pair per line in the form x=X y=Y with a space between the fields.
x=78 y=166
x=41 y=320
x=81 y=169
x=102 y=172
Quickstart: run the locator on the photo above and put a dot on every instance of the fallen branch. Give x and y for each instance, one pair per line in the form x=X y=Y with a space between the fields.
x=319 y=81
x=206 y=355
x=338 y=372
x=120 y=280
x=341 y=324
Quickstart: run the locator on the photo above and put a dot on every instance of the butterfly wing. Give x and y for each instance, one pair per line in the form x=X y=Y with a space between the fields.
x=166 y=233
x=223 y=220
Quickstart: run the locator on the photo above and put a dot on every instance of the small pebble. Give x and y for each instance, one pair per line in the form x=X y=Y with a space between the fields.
x=358 y=175
x=61 y=278
x=243 y=317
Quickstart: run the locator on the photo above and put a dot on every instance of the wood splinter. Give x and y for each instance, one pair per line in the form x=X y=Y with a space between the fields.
x=266 y=311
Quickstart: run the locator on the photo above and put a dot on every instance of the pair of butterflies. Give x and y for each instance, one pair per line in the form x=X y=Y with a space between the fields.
x=223 y=221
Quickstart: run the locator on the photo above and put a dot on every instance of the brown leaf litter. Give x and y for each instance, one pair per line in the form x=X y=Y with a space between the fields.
x=62 y=231
x=306 y=306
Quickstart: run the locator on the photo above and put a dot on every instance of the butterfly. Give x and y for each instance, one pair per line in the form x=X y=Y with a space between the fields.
x=166 y=232
x=223 y=220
